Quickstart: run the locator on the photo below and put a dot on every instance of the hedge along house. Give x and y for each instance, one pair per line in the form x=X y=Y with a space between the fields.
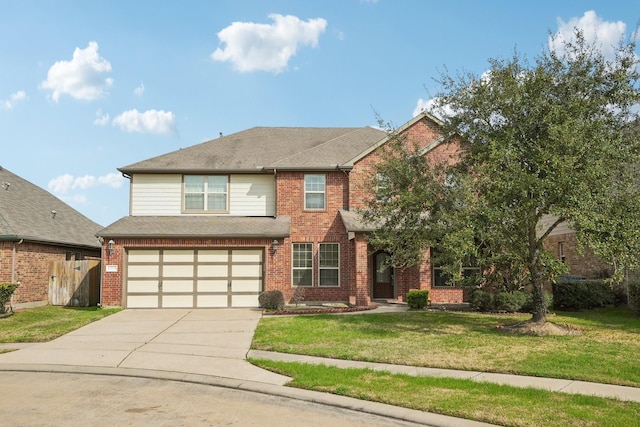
x=37 y=229
x=215 y=224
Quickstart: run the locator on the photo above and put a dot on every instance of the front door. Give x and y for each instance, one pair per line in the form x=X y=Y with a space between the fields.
x=382 y=276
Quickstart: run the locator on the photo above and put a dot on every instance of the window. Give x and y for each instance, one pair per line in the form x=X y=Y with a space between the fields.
x=302 y=264
x=470 y=271
x=382 y=187
x=329 y=264
x=205 y=193
x=314 y=192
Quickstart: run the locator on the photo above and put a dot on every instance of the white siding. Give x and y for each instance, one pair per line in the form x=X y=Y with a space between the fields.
x=161 y=195
x=252 y=195
x=547 y=221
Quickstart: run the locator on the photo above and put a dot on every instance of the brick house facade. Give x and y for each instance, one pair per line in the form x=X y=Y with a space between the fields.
x=286 y=219
x=37 y=229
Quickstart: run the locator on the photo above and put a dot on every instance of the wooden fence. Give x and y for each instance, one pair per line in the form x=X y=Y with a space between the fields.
x=74 y=283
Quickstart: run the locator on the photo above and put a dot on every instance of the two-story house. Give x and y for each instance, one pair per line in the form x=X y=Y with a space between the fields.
x=215 y=224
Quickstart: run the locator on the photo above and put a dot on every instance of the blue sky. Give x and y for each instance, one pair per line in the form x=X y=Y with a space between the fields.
x=87 y=87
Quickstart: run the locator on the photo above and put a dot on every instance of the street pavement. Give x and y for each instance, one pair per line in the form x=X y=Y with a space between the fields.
x=206 y=350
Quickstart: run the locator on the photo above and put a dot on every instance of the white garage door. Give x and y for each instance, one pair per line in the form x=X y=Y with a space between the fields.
x=203 y=278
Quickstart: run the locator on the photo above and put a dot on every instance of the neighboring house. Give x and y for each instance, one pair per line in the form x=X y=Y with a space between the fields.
x=36 y=229
x=215 y=224
x=563 y=244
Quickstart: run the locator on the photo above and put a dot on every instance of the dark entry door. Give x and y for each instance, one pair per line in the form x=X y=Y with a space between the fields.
x=382 y=276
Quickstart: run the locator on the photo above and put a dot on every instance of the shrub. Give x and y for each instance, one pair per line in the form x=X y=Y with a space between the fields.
x=634 y=295
x=511 y=302
x=271 y=300
x=417 y=298
x=571 y=294
x=6 y=290
x=480 y=300
x=527 y=307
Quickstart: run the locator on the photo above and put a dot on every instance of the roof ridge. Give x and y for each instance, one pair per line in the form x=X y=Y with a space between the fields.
x=299 y=153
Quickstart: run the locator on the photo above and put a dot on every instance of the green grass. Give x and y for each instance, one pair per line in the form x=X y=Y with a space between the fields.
x=492 y=403
x=606 y=352
x=48 y=322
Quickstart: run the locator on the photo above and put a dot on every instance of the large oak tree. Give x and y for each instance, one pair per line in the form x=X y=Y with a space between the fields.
x=558 y=136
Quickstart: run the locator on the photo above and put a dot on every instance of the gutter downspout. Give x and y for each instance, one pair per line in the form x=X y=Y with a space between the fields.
x=13 y=265
x=275 y=193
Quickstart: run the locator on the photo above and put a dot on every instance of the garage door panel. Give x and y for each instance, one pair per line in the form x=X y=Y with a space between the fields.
x=177 y=270
x=177 y=255
x=177 y=301
x=212 y=301
x=247 y=255
x=249 y=285
x=246 y=270
x=144 y=270
x=220 y=255
x=143 y=286
x=144 y=255
x=142 y=301
x=213 y=285
x=244 y=300
x=177 y=286
x=213 y=270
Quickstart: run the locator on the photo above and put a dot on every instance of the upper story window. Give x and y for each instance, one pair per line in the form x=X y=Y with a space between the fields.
x=382 y=187
x=315 y=192
x=206 y=193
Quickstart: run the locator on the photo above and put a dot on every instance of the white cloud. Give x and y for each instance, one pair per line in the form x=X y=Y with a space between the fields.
x=80 y=78
x=267 y=47
x=139 y=90
x=101 y=119
x=151 y=121
x=13 y=99
x=430 y=107
x=63 y=184
x=605 y=34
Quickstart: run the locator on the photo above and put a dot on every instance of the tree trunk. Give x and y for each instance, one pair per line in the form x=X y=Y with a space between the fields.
x=537 y=279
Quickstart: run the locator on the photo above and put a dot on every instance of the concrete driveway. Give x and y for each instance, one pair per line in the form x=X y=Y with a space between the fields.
x=199 y=342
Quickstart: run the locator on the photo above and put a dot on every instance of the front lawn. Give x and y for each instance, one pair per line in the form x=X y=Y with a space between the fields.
x=491 y=403
x=606 y=352
x=48 y=322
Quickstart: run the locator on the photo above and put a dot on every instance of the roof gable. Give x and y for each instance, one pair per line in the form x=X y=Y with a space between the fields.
x=28 y=212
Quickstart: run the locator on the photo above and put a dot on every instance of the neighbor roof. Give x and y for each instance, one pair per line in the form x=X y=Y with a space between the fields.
x=28 y=212
x=198 y=226
x=266 y=148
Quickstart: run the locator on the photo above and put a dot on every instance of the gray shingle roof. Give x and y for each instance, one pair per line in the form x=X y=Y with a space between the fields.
x=198 y=226
x=26 y=213
x=354 y=222
x=266 y=148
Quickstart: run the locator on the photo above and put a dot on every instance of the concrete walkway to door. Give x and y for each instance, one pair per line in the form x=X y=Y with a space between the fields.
x=208 y=342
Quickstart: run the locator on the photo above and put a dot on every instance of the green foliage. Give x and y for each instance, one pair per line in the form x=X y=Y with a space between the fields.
x=481 y=300
x=634 y=295
x=271 y=300
x=417 y=298
x=511 y=302
x=557 y=137
x=582 y=294
x=6 y=290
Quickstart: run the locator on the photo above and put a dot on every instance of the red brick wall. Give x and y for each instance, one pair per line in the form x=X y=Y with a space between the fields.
x=580 y=264
x=312 y=226
x=33 y=268
x=362 y=188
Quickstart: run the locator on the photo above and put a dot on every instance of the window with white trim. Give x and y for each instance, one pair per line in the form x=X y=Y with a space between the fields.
x=382 y=187
x=329 y=264
x=206 y=193
x=302 y=264
x=314 y=192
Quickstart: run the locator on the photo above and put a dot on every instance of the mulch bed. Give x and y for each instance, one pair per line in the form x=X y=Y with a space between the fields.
x=318 y=310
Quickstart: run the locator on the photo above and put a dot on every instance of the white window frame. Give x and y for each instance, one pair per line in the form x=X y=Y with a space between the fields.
x=327 y=268
x=205 y=193
x=323 y=192
x=294 y=268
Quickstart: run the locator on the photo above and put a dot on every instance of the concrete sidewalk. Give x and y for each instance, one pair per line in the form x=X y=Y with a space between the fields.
x=551 y=384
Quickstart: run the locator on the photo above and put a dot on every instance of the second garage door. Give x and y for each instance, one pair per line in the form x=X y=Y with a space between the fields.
x=203 y=278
